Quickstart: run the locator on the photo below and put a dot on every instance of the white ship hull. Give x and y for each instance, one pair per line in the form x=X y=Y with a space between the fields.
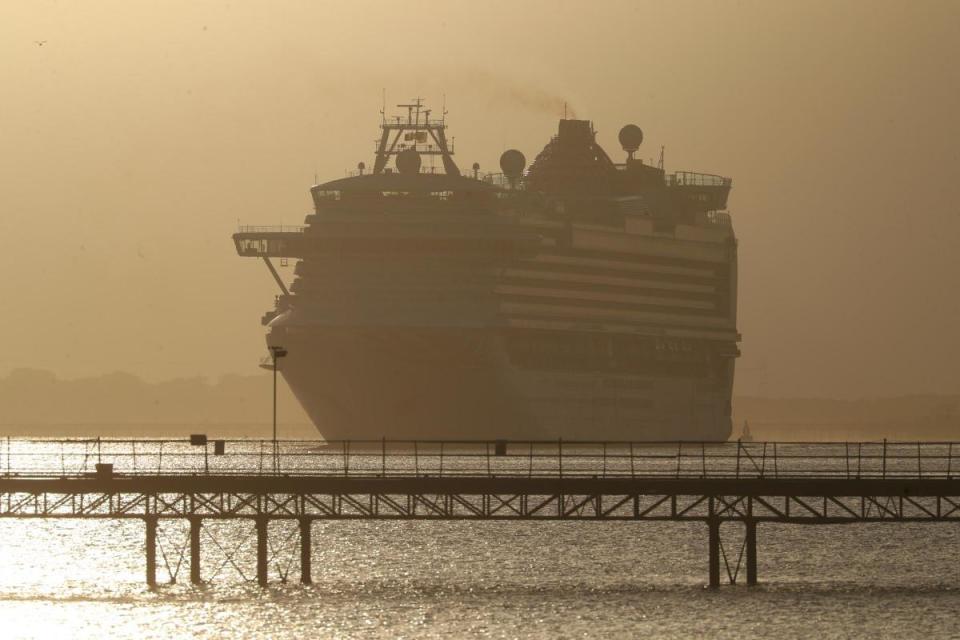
x=437 y=384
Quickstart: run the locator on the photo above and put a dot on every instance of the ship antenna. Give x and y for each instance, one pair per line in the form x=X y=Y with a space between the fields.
x=383 y=107
x=661 y=158
x=564 y=109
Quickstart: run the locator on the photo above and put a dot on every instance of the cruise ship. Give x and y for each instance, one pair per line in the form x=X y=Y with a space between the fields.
x=576 y=298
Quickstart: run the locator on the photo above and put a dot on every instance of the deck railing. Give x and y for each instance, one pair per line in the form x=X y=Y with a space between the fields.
x=24 y=458
x=277 y=228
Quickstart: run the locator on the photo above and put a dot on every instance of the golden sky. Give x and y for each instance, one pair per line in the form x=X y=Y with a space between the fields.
x=135 y=135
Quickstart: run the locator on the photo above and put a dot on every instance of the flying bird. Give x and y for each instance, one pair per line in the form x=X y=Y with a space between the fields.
x=40 y=43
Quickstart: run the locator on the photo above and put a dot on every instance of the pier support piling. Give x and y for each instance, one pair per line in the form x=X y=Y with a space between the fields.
x=305 y=547
x=262 y=551
x=713 y=523
x=751 y=533
x=151 y=543
x=195 y=550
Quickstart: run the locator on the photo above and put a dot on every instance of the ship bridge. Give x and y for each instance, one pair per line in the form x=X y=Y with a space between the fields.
x=265 y=242
x=279 y=241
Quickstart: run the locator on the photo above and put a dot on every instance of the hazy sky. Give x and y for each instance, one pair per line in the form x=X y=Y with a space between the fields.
x=139 y=133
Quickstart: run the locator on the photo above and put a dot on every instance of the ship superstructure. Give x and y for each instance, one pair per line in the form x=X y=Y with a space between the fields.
x=578 y=298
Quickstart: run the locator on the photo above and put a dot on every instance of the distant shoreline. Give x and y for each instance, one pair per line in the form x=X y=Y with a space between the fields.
x=760 y=431
x=40 y=404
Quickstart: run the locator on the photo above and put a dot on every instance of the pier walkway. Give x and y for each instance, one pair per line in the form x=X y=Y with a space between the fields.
x=745 y=483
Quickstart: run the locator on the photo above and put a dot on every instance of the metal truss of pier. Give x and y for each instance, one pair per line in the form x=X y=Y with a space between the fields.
x=302 y=482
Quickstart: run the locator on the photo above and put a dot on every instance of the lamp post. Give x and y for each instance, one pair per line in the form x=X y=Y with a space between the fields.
x=276 y=352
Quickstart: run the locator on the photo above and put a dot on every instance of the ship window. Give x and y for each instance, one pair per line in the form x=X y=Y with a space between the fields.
x=254 y=247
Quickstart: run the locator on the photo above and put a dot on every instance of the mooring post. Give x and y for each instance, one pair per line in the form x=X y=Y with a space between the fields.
x=151 y=522
x=195 y=550
x=305 y=547
x=262 y=551
x=751 y=533
x=713 y=524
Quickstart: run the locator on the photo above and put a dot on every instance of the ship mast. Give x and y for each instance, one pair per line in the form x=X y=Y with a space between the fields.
x=414 y=132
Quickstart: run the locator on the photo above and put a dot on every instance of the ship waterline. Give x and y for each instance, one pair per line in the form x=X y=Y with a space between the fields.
x=576 y=299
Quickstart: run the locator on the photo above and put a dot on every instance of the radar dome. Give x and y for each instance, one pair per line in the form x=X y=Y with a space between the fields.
x=630 y=138
x=408 y=161
x=512 y=163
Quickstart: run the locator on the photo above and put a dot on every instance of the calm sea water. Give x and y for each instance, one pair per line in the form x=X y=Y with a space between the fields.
x=84 y=579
